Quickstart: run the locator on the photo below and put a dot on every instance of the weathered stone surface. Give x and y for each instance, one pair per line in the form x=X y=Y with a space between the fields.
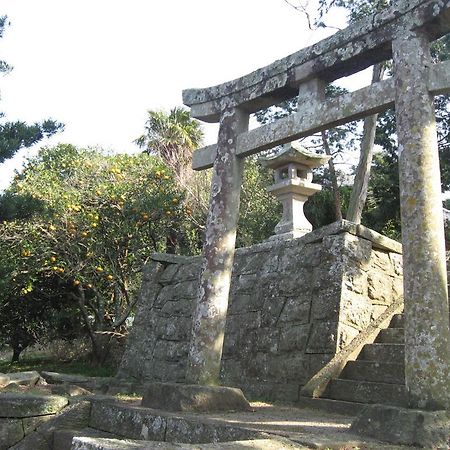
x=72 y=390
x=427 y=331
x=185 y=397
x=404 y=426
x=59 y=378
x=32 y=423
x=24 y=378
x=11 y=432
x=27 y=405
x=83 y=443
x=134 y=422
x=62 y=438
x=286 y=298
x=208 y=325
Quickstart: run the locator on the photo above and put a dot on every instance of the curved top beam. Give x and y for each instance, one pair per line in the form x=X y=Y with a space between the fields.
x=348 y=51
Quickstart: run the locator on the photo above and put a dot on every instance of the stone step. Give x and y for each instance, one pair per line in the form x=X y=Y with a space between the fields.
x=62 y=438
x=137 y=422
x=114 y=444
x=374 y=371
x=397 y=321
x=366 y=392
x=331 y=405
x=13 y=404
x=391 y=353
x=391 y=336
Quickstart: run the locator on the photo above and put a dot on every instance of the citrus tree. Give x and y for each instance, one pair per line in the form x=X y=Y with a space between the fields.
x=91 y=223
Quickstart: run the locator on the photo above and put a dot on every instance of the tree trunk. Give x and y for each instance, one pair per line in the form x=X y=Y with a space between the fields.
x=101 y=346
x=359 y=192
x=16 y=354
x=333 y=176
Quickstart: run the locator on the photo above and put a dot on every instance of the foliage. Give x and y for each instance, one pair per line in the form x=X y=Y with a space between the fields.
x=16 y=135
x=79 y=367
x=97 y=220
x=260 y=211
x=171 y=136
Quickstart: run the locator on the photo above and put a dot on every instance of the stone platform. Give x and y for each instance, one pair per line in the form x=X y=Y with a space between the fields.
x=301 y=427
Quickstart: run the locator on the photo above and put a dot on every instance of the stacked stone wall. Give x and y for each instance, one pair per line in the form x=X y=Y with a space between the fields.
x=293 y=305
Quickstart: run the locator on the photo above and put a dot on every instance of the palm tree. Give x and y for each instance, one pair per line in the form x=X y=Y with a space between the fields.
x=172 y=136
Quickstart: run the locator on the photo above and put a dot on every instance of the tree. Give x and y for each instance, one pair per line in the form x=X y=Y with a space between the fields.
x=16 y=135
x=172 y=136
x=96 y=221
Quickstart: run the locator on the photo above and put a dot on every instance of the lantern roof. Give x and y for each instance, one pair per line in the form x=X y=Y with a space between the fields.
x=297 y=154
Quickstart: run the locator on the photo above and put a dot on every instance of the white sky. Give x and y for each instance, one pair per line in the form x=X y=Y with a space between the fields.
x=99 y=65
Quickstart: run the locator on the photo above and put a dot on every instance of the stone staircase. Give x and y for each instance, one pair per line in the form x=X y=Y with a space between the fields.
x=377 y=375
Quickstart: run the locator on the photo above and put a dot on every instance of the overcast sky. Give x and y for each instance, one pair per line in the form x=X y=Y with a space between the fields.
x=99 y=65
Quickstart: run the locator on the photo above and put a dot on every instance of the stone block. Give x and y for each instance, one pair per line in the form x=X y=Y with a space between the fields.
x=71 y=390
x=190 y=272
x=89 y=443
x=174 y=330
x=128 y=421
x=380 y=288
x=323 y=337
x=196 y=432
x=168 y=274
x=267 y=339
x=24 y=378
x=381 y=261
x=295 y=283
x=59 y=378
x=317 y=362
x=248 y=283
x=271 y=311
x=179 y=308
x=428 y=429
x=198 y=398
x=289 y=367
x=232 y=370
x=30 y=424
x=257 y=367
x=355 y=280
x=33 y=441
x=294 y=338
x=244 y=302
x=27 y=405
x=326 y=303
x=355 y=310
x=271 y=391
x=171 y=351
x=296 y=309
x=249 y=264
x=168 y=371
x=11 y=432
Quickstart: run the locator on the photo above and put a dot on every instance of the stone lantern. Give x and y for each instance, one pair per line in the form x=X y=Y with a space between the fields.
x=293 y=186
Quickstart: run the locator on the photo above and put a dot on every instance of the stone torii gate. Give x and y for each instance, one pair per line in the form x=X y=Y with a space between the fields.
x=403 y=32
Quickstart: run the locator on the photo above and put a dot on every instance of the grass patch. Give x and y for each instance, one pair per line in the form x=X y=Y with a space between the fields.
x=50 y=365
